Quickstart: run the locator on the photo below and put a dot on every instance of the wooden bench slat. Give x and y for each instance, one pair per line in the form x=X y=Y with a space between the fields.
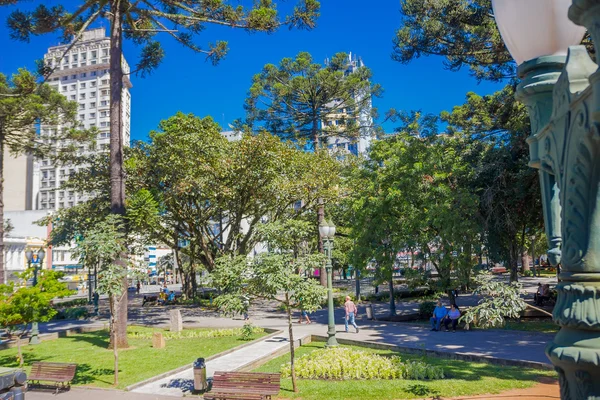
x=243 y=385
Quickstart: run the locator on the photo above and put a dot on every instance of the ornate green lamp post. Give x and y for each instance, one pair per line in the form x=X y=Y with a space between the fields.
x=327 y=232
x=35 y=332
x=562 y=94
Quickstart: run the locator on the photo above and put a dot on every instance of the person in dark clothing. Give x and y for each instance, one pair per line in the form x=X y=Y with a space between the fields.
x=452 y=317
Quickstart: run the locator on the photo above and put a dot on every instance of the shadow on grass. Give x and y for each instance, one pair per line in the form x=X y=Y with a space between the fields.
x=28 y=358
x=86 y=374
x=97 y=338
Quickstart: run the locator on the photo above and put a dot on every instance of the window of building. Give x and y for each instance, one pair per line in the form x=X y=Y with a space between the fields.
x=81 y=116
x=61 y=205
x=104 y=113
x=70 y=204
x=92 y=125
x=82 y=106
x=73 y=76
x=105 y=92
x=55 y=79
x=104 y=135
x=65 y=78
x=66 y=60
x=104 y=103
x=104 y=82
x=105 y=60
x=75 y=57
x=73 y=97
x=104 y=52
x=94 y=53
x=64 y=88
x=84 y=74
x=73 y=86
x=82 y=96
x=82 y=85
x=92 y=115
x=93 y=83
x=84 y=56
x=92 y=105
x=92 y=94
x=103 y=124
x=93 y=73
x=93 y=62
x=83 y=63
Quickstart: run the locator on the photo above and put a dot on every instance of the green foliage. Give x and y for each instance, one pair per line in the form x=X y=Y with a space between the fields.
x=343 y=363
x=527 y=272
x=464 y=32
x=426 y=309
x=500 y=301
x=246 y=333
x=20 y=306
x=72 y=313
x=291 y=99
x=71 y=303
x=412 y=192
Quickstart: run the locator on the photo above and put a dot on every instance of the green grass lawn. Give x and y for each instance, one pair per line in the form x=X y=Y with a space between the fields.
x=140 y=361
x=462 y=379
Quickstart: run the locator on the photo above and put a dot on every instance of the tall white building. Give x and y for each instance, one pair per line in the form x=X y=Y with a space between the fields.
x=82 y=75
x=360 y=144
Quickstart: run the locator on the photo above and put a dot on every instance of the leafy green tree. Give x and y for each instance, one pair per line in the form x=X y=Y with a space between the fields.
x=140 y=22
x=303 y=101
x=25 y=104
x=22 y=305
x=464 y=32
x=101 y=246
x=510 y=203
x=412 y=194
x=214 y=193
x=276 y=276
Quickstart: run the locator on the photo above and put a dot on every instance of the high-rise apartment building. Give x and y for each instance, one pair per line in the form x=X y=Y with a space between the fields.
x=81 y=75
x=335 y=120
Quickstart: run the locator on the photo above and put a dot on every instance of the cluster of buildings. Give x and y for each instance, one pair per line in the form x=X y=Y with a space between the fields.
x=33 y=187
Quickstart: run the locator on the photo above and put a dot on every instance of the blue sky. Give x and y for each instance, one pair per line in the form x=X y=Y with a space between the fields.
x=185 y=82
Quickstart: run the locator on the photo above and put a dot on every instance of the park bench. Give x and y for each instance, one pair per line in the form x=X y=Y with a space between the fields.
x=60 y=373
x=243 y=386
x=499 y=270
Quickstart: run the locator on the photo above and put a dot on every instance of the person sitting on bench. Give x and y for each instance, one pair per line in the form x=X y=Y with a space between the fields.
x=439 y=313
x=452 y=317
x=543 y=294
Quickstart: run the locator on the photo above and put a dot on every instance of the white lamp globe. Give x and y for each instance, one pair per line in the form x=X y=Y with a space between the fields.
x=331 y=229
x=323 y=229
x=535 y=28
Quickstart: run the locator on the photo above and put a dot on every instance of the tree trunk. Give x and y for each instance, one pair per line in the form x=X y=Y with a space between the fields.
x=18 y=338
x=113 y=334
x=291 y=332
x=117 y=173
x=514 y=255
x=2 y=267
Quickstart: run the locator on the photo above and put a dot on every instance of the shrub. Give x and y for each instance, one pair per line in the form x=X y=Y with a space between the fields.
x=426 y=309
x=72 y=303
x=343 y=363
x=72 y=313
x=527 y=272
x=134 y=333
x=248 y=331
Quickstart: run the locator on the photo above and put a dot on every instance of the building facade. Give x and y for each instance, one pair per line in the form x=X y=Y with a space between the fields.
x=340 y=117
x=81 y=75
x=18 y=182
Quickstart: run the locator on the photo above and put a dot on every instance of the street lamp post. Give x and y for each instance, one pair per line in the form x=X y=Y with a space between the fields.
x=41 y=254
x=327 y=232
x=561 y=91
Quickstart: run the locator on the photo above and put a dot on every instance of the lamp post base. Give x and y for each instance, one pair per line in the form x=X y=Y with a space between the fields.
x=331 y=340
x=34 y=339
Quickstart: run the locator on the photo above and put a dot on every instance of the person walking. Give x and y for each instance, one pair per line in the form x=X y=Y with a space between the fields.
x=138 y=287
x=304 y=315
x=439 y=313
x=351 y=312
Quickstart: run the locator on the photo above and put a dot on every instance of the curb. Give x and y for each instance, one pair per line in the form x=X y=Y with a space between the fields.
x=443 y=354
x=272 y=333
